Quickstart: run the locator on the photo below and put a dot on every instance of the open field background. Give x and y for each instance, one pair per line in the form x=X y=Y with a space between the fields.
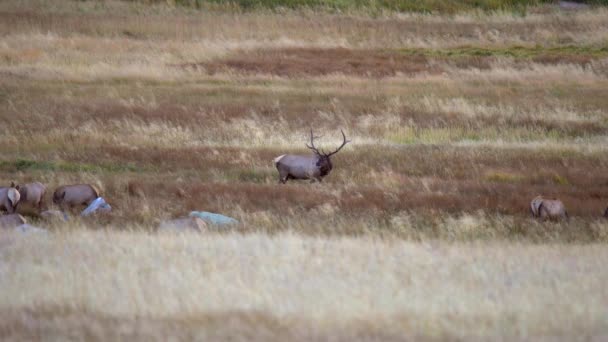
x=168 y=110
x=457 y=120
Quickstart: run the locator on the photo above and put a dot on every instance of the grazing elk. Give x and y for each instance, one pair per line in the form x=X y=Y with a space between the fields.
x=32 y=195
x=75 y=195
x=548 y=209
x=9 y=198
x=313 y=167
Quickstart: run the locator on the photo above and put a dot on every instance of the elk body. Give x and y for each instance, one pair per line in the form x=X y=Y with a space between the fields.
x=75 y=195
x=9 y=198
x=313 y=167
x=32 y=194
x=546 y=209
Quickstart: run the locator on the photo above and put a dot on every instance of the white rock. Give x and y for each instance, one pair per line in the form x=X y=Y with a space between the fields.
x=183 y=224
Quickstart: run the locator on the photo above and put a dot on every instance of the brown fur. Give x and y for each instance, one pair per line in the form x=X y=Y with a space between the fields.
x=5 y=201
x=32 y=195
x=548 y=209
x=75 y=195
x=135 y=189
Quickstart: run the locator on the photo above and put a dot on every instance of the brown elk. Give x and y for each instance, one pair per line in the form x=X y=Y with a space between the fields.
x=313 y=167
x=75 y=195
x=546 y=209
x=9 y=198
x=32 y=195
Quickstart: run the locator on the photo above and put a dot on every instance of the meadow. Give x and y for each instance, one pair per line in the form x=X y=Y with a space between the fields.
x=422 y=230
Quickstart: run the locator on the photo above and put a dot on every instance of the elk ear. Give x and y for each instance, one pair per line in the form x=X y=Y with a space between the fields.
x=12 y=184
x=16 y=187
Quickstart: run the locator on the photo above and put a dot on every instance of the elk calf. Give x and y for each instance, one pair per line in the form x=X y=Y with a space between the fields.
x=313 y=167
x=545 y=209
x=75 y=195
x=32 y=194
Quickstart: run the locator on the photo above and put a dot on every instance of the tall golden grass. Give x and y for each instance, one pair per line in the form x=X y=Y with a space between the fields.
x=123 y=285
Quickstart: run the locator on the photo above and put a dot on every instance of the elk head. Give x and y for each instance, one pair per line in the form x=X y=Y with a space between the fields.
x=323 y=159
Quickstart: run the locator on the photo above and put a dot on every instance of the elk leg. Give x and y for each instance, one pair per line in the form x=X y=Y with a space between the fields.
x=283 y=177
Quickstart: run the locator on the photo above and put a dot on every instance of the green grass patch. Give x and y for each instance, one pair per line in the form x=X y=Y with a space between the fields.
x=33 y=165
x=560 y=180
x=503 y=177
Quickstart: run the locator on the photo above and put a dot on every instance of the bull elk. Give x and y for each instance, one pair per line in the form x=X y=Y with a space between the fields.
x=313 y=167
x=75 y=195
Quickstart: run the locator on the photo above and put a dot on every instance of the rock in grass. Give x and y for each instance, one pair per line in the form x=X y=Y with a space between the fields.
x=54 y=215
x=18 y=223
x=572 y=5
x=185 y=224
x=27 y=228
x=99 y=205
x=11 y=221
x=213 y=218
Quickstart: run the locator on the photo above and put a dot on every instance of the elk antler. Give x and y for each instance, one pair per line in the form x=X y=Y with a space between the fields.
x=344 y=142
x=312 y=143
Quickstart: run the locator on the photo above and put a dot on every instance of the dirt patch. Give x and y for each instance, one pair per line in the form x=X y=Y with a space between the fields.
x=320 y=62
x=298 y=62
x=62 y=322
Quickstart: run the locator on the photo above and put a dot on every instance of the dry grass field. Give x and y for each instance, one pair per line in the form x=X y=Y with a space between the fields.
x=95 y=285
x=422 y=230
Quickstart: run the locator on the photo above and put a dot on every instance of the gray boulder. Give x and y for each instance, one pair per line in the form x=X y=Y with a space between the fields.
x=183 y=225
x=54 y=215
x=28 y=228
x=11 y=220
